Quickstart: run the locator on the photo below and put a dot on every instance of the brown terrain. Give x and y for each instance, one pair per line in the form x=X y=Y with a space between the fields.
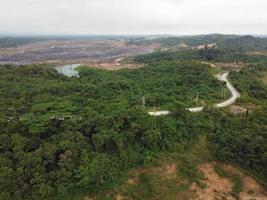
x=98 y=53
x=211 y=187
x=226 y=66
x=166 y=180
x=234 y=66
x=218 y=187
x=237 y=109
x=258 y=53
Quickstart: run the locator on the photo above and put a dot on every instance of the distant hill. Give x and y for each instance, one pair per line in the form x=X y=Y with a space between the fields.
x=191 y=41
x=231 y=42
x=246 y=43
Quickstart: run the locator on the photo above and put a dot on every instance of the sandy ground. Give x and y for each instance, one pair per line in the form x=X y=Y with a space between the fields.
x=258 y=53
x=226 y=66
x=237 y=109
x=212 y=187
x=111 y=65
x=217 y=187
x=252 y=190
x=208 y=63
x=234 y=66
x=213 y=45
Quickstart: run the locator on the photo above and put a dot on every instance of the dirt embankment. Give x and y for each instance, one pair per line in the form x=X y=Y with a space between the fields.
x=230 y=184
x=224 y=186
x=189 y=175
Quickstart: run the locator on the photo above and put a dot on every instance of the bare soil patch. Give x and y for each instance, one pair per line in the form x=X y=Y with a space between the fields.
x=195 y=178
x=111 y=65
x=88 y=198
x=215 y=186
x=60 y=52
x=208 y=63
x=203 y=46
x=234 y=66
x=237 y=109
x=218 y=187
x=183 y=45
x=131 y=181
x=252 y=190
x=119 y=197
x=258 y=53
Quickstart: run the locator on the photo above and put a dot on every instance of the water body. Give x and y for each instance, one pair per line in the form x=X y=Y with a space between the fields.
x=68 y=70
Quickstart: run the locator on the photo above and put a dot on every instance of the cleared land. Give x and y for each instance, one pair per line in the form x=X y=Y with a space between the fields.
x=102 y=53
x=187 y=176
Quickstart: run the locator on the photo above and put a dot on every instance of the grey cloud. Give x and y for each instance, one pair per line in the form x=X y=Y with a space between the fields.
x=133 y=16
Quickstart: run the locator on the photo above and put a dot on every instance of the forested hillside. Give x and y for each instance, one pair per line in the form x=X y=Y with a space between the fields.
x=61 y=136
x=225 y=42
x=245 y=43
x=242 y=138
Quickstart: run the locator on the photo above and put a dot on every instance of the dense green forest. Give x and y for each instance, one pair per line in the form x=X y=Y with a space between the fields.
x=170 y=41
x=61 y=136
x=242 y=139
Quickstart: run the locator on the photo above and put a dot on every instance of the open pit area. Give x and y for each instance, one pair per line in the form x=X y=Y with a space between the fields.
x=96 y=53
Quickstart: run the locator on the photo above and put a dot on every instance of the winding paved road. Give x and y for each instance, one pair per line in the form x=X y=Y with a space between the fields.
x=234 y=95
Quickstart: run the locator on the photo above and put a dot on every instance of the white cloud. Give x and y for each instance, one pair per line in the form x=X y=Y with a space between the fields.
x=133 y=16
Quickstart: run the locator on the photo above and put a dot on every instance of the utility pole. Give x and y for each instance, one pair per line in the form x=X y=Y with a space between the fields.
x=196 y=100
x=223 y=93
x=143 y=102
x=247 y=113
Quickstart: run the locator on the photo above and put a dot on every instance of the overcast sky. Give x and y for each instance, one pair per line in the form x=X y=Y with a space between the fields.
x=133 y=16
